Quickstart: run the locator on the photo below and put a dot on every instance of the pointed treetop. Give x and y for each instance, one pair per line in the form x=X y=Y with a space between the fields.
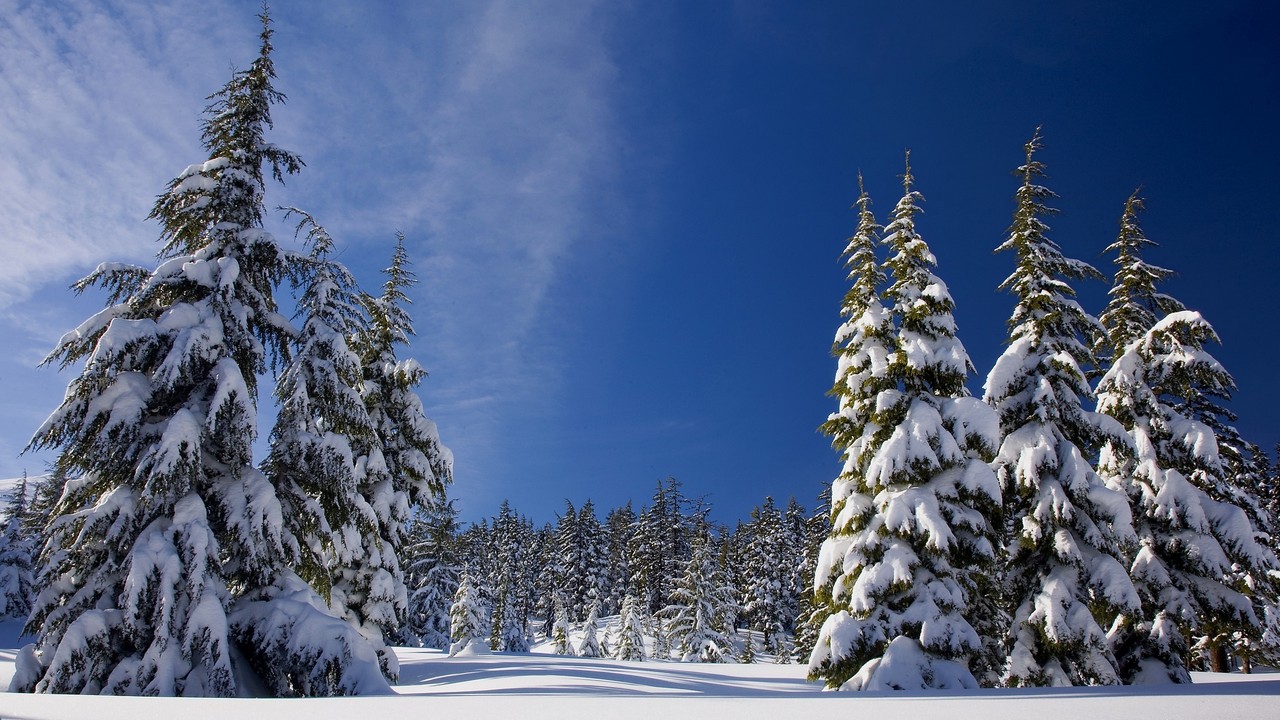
x=1046 y=305
x=399 y=276
x=1135 y=301
x=1032 y=168
x=860 y=258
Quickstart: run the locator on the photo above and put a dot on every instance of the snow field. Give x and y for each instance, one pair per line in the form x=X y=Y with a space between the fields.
x=534 y=686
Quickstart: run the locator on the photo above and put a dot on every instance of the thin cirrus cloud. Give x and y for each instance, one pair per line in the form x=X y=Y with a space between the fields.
x=483 y=131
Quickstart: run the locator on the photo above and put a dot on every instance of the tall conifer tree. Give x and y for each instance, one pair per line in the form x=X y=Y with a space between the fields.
x=1196 y=547
x=910 y=533
x=1067 y=530
x=167 y=547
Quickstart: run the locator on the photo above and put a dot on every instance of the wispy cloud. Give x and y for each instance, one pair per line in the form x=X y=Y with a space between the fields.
x=499 y=141
x=95 y=117
x=484 y=131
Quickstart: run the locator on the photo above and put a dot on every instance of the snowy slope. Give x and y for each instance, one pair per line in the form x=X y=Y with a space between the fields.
x=536 y=686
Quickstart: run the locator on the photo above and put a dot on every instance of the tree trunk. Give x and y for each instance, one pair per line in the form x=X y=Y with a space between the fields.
x=1218 y=661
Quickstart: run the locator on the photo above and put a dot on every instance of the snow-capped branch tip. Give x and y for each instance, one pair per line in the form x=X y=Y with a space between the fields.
x=907 y=178
x=319 y=238
x=1032 y=168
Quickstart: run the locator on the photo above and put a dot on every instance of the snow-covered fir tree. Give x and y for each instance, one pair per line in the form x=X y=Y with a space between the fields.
x=811 y=611
x=910 y=536
x=620 y=526
x=629 y=642
x=17 y=556
x=662 y=544
x=567 y=580
x=581 y=559
x=401 y=466
x=592 y=561
x=311 y=462
x=511 y=579
x=591 y=645
x=703 y=603
x=561 y=628
x=546 y=580
x=167 y=547
x=433 y=573
x=469 y=616
x=1197 y=550
x=1190 y=542
x=766 y=574
x=1068 y=531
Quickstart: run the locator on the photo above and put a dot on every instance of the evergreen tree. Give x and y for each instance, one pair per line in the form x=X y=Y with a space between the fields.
x=629 y=643
x=402 y=465
x=511 y=579
x=591 y=647
x=311 y=462
x=17 y=557
x=766 y=573
x=570 y=580
x=910 y=535
x=700 y=604
x=593 y=558
x=167 y=546
x=812 y=611
x=546 y=578
x=662 y=543
x=469 y=616
x=619 y=529
x=1187 y=475
x=1135 y=303
x=661 y=638
x=748 y=654
x=433 y=577
x=560 y=629
x=1068 y=530
x=799 y=575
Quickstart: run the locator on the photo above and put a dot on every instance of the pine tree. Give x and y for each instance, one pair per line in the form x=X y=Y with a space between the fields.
x=910 y=535
x=593 y=558
x=766 y=573
x=812 y=611
x=402 y=465
x=311 y=462
x=662 y=543
x=469 y=616
x=700 y=604
x=799 y=575
x=166 y=547
x=570 y=580
x=1067 y=529
x=591 y=647
x=1187 y=474
x=17 y=557
x=560 y=629
x=629 y=643
x=619 y=528
x=511 y=580
x=433 y=573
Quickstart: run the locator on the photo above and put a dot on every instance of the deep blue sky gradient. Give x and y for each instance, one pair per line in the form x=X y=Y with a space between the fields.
x=686 y=328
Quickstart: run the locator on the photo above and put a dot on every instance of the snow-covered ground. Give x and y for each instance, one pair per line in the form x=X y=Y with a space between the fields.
x=537 y=685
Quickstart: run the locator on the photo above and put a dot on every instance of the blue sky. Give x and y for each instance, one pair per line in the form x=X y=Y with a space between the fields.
x=626 y=217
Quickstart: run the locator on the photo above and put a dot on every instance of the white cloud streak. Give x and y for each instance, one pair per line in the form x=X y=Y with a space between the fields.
x=484 y=131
